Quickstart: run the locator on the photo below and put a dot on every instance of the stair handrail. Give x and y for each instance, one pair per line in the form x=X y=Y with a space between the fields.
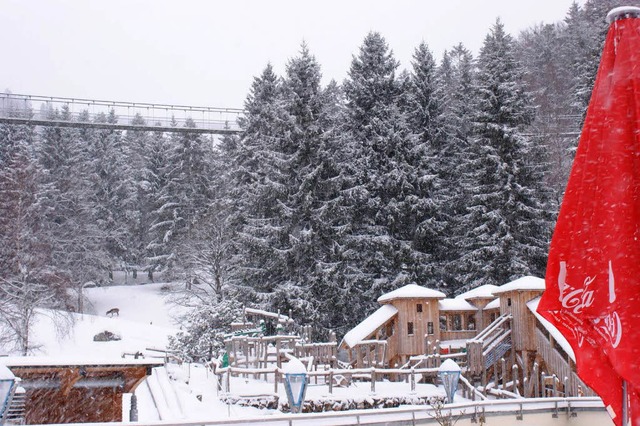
x=496 y=342
x=493 y=326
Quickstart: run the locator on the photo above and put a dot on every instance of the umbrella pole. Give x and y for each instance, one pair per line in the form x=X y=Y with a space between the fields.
x=625 y=404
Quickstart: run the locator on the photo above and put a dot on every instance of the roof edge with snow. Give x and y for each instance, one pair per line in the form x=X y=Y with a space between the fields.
x=527 y=283
x=369 y=325
x=411 y=291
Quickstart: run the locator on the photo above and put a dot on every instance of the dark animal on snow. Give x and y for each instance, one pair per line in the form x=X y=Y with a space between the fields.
x=113 y=311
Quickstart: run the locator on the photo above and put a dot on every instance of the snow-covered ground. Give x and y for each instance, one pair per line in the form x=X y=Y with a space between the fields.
x=144 y=321
x=176 y=392
x=190 y=392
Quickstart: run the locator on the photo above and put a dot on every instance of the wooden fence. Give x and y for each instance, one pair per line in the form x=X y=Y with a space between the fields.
x=331 y=378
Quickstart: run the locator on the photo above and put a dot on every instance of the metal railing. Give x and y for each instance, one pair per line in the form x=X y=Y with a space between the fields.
x=74 y=112
x=539 y=412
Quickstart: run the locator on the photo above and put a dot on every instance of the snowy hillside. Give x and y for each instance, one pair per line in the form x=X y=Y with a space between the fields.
x=146 y=319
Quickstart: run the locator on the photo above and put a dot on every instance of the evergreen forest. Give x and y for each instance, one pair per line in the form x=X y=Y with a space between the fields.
x=446 y=172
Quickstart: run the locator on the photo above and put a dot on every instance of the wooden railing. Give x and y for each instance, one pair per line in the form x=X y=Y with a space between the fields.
x=328 y=377
x=560 y=367
x=457 y=335
x=489 y=345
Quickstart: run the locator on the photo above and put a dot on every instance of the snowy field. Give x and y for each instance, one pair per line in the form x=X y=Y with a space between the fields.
x=178 y=392
x=183 y=392
x=144 y=321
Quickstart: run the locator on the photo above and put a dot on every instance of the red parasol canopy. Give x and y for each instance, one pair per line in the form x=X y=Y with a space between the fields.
x=593 y=274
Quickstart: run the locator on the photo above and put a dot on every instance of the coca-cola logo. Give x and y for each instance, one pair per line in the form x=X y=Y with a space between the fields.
x=574 y=299
x=608 y=326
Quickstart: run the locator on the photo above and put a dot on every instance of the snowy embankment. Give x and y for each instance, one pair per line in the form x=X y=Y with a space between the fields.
x=143 y=322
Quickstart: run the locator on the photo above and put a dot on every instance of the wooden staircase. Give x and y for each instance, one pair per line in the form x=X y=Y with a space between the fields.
x=16 y=411
x=489 y=346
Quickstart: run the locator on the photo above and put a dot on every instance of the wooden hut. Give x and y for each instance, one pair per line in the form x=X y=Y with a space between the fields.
x=513 y=301
x=76 y=391
x=480 y=297
x=398 y=329
x=457 y=319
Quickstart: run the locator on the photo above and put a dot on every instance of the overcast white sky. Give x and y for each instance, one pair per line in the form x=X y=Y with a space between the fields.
x=206 y=53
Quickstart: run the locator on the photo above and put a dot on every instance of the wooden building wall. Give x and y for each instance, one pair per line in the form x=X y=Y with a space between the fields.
x=487 y=317
x=482 y=317
x=413 y=344
x=524 y=322
x=58 y=394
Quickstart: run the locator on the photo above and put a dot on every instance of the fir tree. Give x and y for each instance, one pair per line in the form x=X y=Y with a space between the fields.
x=380 y=192
x=433 y=162
x=76 y=249
x=456 y=76
x=162 y=214
x=507 y=224
x=112 y=195
x=28 y=277
x=257 y=191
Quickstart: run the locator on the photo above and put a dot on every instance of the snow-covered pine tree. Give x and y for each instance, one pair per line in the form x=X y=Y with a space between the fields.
x=256 y=192
x=456 y=76
x=433 y=163
x=381 y=194
x=507 y=221
x=112 y=196
x=549 y=80
x=28 y=277
x=138 y=143
x=161 y=208
x=76 y=247
x=311 y=216
x=190 y=189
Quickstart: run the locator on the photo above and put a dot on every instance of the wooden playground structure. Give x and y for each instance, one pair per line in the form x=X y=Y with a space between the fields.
x=493 y=333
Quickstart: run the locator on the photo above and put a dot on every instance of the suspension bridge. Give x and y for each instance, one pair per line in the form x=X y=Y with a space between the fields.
x=91 y=113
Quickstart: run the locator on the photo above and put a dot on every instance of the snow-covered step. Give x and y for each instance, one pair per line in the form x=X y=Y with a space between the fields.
x=168 y=390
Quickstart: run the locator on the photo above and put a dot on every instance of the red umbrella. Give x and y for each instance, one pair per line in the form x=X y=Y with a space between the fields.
x=593 y=273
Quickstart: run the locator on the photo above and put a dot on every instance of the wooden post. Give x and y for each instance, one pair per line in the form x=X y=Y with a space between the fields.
x=278 y=362
x=373 y=380
x=276 y=378
x=484 y=381
x=235 y=352
x=368 y=355
x=330 y=382
x=245 y=349
x=503 y=370
x=536 y=381
x=413 y=379
x=515 y=377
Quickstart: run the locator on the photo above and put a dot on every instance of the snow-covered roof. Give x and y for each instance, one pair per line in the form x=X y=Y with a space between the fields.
x=411 y=291
x=524 y=283
x=482 y=292
x=557 y=336
x=494 y=304
x=5 y=373
x=369 y=325
x=86 y=361
x=456 y=305
x=267 y=314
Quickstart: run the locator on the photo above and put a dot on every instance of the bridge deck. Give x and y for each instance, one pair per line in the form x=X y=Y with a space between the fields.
x=90 y=113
